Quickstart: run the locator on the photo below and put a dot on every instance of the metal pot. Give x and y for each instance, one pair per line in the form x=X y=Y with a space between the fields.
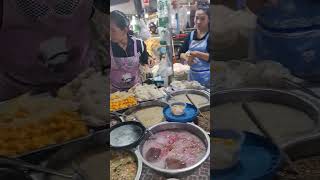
x=183 y=126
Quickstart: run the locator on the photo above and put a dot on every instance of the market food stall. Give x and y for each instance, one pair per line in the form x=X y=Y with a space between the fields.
x=147 y=104
x=162 y=124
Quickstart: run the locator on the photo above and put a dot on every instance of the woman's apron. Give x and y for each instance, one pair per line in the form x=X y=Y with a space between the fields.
x=290 y=35
x=200 y=71
x=125 y=71
x=42 y=47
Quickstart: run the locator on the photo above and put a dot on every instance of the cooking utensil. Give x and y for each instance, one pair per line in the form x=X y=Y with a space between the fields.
x=23 y=164
x=259 y=125
x=124 y=115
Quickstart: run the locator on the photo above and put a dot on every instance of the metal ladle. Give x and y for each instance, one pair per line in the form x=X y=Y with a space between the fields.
x=125 y=116
x=206 y=118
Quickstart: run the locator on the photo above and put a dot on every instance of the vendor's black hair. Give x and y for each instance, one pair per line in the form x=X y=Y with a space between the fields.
x=205 y=8
x=120 y=19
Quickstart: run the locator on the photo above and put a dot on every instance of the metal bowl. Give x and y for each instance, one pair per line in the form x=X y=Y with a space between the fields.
x=139 y=163
x=270 y=96
x=193 y=91
x=183 y=126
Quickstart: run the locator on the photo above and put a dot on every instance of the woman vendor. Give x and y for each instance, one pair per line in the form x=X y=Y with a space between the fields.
x=127 y=54
x=196 y=49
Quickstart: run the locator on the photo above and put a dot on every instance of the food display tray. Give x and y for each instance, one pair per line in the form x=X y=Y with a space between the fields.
x=273 y=96
x=198 y=92
x=41 y=154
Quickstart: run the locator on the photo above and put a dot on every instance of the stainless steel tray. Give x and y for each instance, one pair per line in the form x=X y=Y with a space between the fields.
x=66 y=156
x=69 y=155
x=145 y=105
x=40 y=154
x=270 y=96
x=205 y=94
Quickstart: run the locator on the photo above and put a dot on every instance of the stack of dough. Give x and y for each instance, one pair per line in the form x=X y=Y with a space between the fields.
x=146 y=92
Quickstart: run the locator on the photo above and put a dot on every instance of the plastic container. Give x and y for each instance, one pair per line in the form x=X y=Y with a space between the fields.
x=260 y=159
x=227 y=146
x=190 y=114
x=178 y=108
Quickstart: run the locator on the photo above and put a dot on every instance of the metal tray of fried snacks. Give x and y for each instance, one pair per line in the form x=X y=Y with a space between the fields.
x=42 y=153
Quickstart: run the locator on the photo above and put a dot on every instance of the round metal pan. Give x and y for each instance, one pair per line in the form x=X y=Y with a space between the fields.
x=144 y=106
x=269 y=96
x=191 y=91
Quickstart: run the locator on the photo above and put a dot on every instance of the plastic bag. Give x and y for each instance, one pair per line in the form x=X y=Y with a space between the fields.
x=165 y=68
x=144 y=30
